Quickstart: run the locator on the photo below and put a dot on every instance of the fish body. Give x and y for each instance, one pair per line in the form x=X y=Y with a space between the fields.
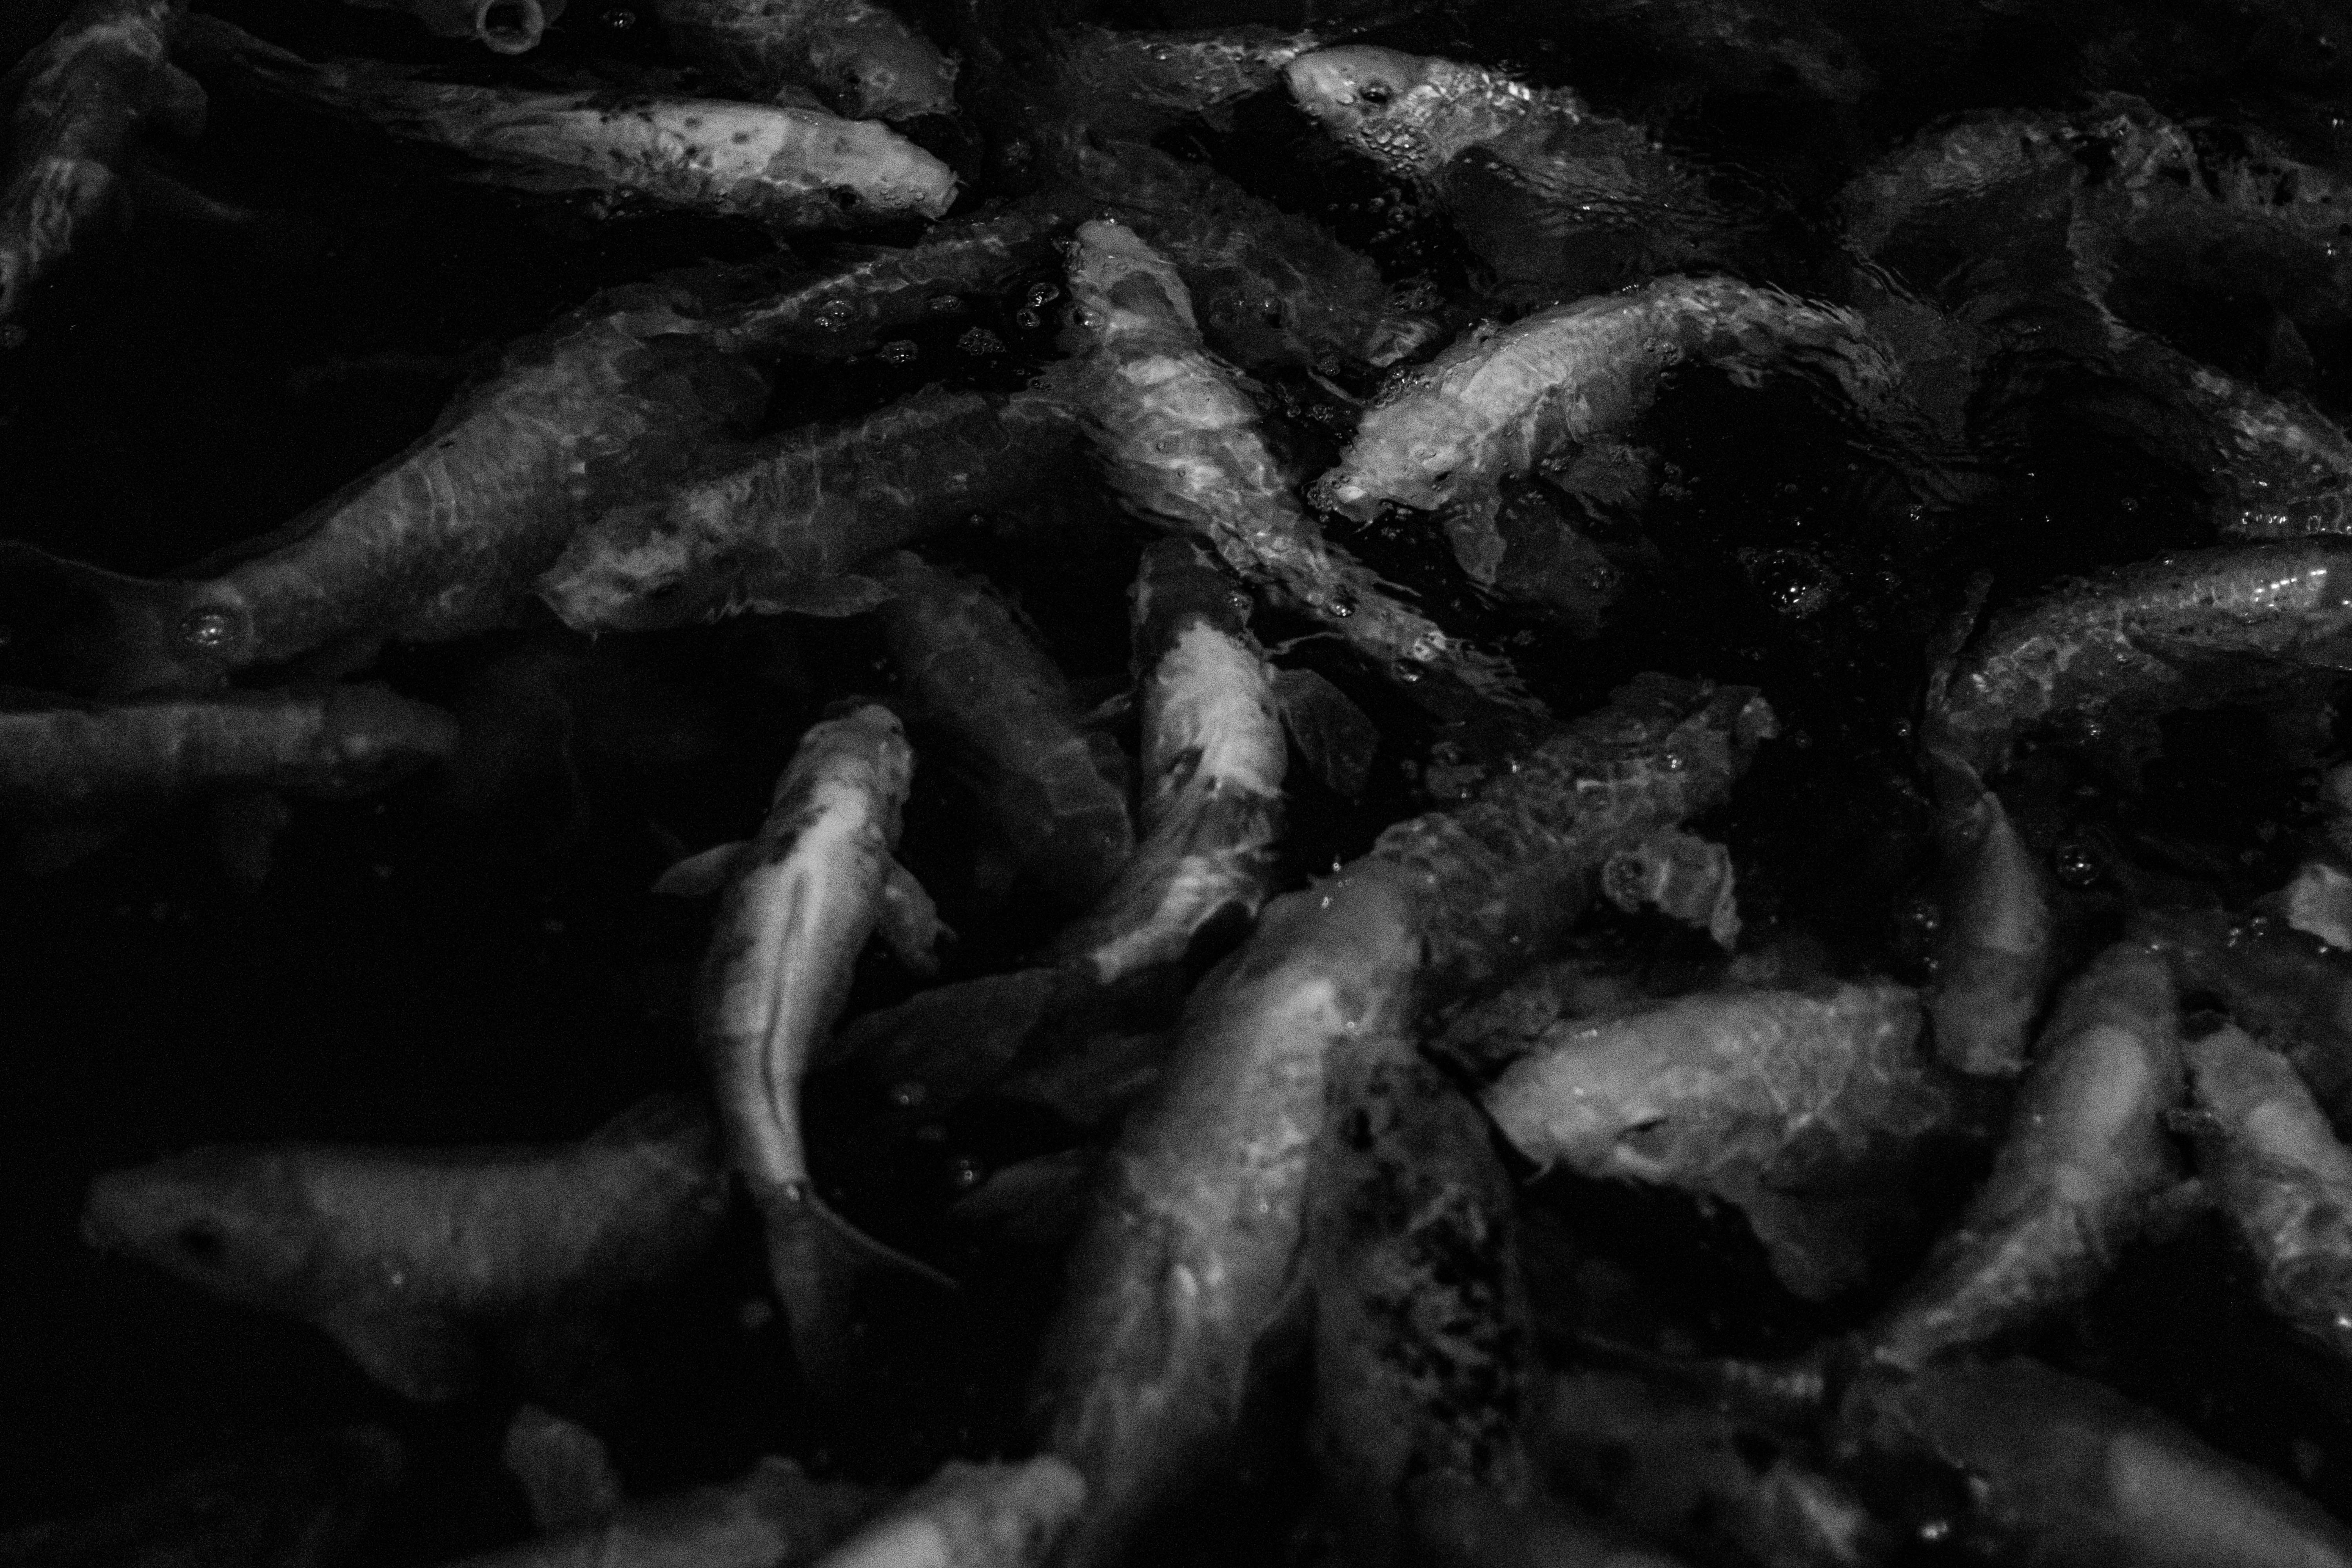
x=2279 y=1177
x=783 y=525
x=444 y=540
x=972 y=1516
x=866 y=61
x=774 y=1516
x=1179 y=442
x=2109 y=655
x=1135 y=84
x=1191 y=1259
x=1504 y=402
x=342 y=740
x=1799 y=1109
x=395 y=1252
x=800 y=902
x=1057 y=790
x=1213 y=757
x=1994 y=963
x=1746 y=46
x=2059 y=1470
x=2087 y=1154
x=789 y=168
x=82 y=102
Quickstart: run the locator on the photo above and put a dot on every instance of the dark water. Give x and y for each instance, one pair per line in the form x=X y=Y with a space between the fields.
x=419 y=969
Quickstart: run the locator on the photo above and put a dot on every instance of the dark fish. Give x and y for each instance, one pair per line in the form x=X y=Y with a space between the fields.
x=507 y=27
x=788 y=168
x=863 y=58
x=441 y=541
x=1191 y=1259
x=1743 y=46
x=2086 y=1159
x=82 y=102
x=278 y=1502
x=1213 y=765
x=774 y=1516
x=396 y=1253
x=781 y=526
x=1055 y=790
x=566 y=1473
x=1135 y=84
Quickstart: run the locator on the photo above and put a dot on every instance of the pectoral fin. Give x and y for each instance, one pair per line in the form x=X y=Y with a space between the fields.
x=1335 y=738
x=699 y=876
x=422 y=1356
x=909 y=922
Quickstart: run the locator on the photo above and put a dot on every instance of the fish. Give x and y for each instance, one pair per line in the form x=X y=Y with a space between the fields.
x=440 y=541
x=1423 y=1343
x=2283 y=987
x=2060 y=1470
x=1555 y=199
x=972 y=1516
x=2278 y=1175
x=1213 y=767
x=798 y=903
x=81 y=106
x=1056 y=791
x=1133 y=85
x=502 y=26
x=1505 y=403
x=1807 y=1111
x=1995 y=958
x=2102 y=658
x=1179 y=442
x=866 y=61
x=564 y=1470
x=775 y=1516
x=790 y=169
x=1710 y=1482
x=1682 y=876
x=1271 y=290
x=280 y=1502
x=1741 y=46
x=2086 y=1158
x=397 y=1255
x=1190 y=1263
x=781 y=526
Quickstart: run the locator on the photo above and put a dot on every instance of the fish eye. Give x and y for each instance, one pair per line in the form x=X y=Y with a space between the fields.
x=200 y=1243
x=1376 y=93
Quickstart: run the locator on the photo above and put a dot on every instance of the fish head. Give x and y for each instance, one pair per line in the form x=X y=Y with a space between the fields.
x=1377 y=102
x=232 y=1222
x=1120 y=288
x=1600 y=1098
x=373 y=735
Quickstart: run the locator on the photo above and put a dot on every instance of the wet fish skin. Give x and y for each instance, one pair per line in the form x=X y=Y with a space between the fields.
x=2116 y=651
x=1191 y=1259
x=276 y=1502
x=782 y=525
x=2064 y=1470
x=82 y=102
x=789 y=168
x=344 y=739
x=1135 y=84
x=774 y=1517
x=2279 y=1177
x=1214 y=758
x=1995 y=959
x=1179 y=442
x=861 y=56
x=396 y=1252
x=1056 y=791
x=1804 y=1111
x=2086 y=1157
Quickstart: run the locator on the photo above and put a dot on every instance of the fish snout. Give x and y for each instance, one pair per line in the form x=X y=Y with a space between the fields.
x=1323 y=86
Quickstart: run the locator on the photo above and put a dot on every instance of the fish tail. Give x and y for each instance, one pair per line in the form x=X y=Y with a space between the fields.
x=822 y=1267
x=86 y=632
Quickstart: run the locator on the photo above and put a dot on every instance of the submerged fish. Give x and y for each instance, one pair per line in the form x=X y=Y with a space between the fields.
x=2279 y=1177
x=774 y=1516
x=396 y=1253
x=82 y=102
x=863 y=58
x=1179 y=442
x=1806 y=1111
x=1055 y=790
x=278 y=1502
x=1745 y=46
x=788 y=168
x=440 y=541
x=1213 y=765
x=2286 y=988
x=566 y=1473
x=1994 y=963
x=2107 y=656
x=507 y=27
x=1504 y=402
x=972 y=1516
x=1556 y=198
x=2087 y=1156
x=1192 y=1257
x=800 y=901
x=783 y=525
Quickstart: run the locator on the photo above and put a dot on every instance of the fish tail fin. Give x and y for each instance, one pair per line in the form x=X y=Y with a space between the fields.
x=79 y=629
x=822 y=1267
